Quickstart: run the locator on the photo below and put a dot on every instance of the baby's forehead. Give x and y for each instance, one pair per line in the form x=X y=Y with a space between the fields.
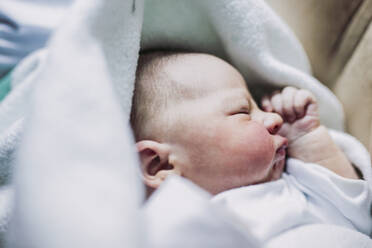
x=203 y=73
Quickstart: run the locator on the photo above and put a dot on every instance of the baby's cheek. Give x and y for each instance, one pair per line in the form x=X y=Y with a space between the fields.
x=261 y=151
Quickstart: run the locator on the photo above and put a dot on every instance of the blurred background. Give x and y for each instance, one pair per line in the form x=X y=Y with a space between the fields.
x=337 y=36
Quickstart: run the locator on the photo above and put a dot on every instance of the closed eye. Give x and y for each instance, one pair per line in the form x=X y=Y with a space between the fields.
x=242 y=111
x=243 y=114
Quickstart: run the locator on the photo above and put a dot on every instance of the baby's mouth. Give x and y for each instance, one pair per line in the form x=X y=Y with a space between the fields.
x=279 y=161
x=280 y=153
x=278 y=165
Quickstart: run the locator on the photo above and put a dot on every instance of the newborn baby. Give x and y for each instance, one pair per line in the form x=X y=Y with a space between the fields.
x=194 y=116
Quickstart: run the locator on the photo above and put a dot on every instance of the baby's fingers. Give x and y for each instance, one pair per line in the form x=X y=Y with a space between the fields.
x=276 y=103
x=266 y=104
x=288 y=95
x=302 y=100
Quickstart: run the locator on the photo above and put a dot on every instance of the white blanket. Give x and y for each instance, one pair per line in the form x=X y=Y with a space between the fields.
x=72 y=188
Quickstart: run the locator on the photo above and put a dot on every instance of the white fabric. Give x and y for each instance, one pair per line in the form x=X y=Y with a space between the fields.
x=306 y=194
x=76 y=177
x=320 y=236
x=180 y=214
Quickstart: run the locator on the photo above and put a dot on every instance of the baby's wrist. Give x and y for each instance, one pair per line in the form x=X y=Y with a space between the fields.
x=312 y=146
x=318 y=147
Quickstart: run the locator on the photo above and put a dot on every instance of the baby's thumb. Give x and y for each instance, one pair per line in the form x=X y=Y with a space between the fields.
x=266 y=104
x=312 y=109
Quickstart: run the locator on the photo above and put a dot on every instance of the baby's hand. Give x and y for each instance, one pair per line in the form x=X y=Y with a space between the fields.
x=297 y=107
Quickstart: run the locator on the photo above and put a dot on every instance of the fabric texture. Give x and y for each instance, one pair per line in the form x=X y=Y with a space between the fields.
x=173 y=217
x=75 y=170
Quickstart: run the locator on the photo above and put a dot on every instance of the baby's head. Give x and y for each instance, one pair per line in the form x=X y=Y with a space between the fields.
x=193 y=116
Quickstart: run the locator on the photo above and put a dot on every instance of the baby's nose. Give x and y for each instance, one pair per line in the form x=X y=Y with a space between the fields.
x=273 y=122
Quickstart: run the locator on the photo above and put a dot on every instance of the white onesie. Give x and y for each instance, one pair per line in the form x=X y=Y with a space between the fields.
x=306 y=194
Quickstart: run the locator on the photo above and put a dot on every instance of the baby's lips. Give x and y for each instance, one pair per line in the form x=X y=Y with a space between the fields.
x=280 y=142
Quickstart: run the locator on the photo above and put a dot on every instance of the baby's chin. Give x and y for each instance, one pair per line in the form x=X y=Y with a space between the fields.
x=278 y=166
x=278 y=169
x=275 y=172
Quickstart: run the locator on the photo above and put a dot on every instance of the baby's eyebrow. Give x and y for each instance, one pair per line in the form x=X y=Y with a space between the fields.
x=242 y=96
x=243 y=102
x=239 y=99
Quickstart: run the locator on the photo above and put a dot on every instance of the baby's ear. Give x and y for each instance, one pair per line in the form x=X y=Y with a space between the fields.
x=155 y=164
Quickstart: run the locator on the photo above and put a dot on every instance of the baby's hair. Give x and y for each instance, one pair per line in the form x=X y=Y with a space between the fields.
x=154 y=91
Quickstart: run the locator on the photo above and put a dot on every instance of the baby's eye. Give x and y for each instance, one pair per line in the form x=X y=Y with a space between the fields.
x=243 y=111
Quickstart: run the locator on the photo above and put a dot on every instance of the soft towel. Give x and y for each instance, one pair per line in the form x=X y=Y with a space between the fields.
x=76 y=176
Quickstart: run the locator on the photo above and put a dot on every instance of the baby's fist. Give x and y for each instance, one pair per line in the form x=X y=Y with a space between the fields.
x=297 y=107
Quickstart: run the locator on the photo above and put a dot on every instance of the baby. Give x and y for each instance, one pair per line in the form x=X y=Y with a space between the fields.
x=194 y=116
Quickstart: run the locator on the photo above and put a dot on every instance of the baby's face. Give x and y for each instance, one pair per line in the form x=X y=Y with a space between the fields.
x=221 y=139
